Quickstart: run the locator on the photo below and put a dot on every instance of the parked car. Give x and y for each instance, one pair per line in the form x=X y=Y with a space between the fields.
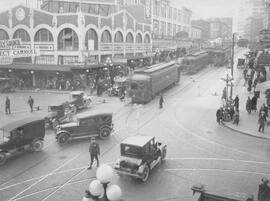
x=18 y=135
x=85 y=125
x=139 y=155
x=79 y=100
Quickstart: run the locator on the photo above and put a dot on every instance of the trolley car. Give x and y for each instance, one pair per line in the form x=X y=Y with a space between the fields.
x=145 y=84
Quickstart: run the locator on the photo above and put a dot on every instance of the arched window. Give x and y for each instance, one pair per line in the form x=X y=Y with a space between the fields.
x=22 y=34
x=91 y=34
x=68 y=40
x=118 y=37
x=129 y=38
x=106 y=37
x=43 y=35
x=3 y=35
x=147 y=38
x=138 y=38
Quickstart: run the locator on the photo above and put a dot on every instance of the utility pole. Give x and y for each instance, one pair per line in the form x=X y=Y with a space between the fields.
x=232 y=63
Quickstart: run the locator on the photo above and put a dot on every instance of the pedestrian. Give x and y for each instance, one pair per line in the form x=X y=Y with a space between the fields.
x=231 y=112
x=7 y=105
x=254 y=103
x=236 y=102
x=245 y=75
x=264 y=190
x=161 y=101
x=265 y=109
x=248 y=105
x=261 y=122
x=249 y=84
x=94 y=152
x=219 y=114
x=236 y=118
x=31 y=103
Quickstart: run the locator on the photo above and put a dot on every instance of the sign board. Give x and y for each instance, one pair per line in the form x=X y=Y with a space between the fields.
x=18 y=53
x=91 y=45
x=44 y=47
x=8 y=44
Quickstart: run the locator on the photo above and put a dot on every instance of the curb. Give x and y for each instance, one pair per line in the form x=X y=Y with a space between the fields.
x=244 y=133
x=42 y=91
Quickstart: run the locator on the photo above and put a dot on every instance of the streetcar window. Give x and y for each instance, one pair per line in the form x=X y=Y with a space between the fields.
x=134 y=86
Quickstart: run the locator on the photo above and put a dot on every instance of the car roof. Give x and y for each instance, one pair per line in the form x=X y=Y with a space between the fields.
x=139 y=140
x=20 y=122
x=76 y=92
x=92 y=114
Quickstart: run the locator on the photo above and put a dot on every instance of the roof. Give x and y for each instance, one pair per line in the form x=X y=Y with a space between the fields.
x=42 y=67
x=157 y=67
x=15 y=124
x=76 y=92
x=139 y=140
x=140 y=77
x=91 y=114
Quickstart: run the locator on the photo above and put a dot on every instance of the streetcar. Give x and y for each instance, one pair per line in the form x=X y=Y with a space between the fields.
x=146 y=83
x=219 y=56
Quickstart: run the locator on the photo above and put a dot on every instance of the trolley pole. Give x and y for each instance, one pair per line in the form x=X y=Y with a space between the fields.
x=232 y=64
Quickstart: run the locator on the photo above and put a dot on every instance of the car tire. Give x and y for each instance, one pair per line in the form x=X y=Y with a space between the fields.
x=37 y=145
x=62 y=138
x=104 y=132
x=3 y=158
x=146 y=173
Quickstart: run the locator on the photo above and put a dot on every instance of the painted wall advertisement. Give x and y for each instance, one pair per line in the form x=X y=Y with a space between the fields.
x=148 y=9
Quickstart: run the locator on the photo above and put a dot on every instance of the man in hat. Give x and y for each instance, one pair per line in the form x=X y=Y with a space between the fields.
x=7 y=106
x=261 y=122
x=94 y=152
x=264 y=190
x=161 y=101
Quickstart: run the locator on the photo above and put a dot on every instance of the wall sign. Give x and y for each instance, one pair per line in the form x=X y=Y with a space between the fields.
x=147 y=9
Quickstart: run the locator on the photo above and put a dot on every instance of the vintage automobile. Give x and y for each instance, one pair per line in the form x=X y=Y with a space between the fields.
x=79 y=100
x=59 y=114
x=119 y=85
x=139 y=155
x=85 y=125
x=21 y=134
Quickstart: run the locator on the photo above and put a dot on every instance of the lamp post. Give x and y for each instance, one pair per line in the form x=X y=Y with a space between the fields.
x=232 y=63
x=228 y=79
x=99 y=189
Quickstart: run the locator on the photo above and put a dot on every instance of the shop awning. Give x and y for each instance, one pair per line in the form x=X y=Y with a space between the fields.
x=38 y=67
x=263 y=86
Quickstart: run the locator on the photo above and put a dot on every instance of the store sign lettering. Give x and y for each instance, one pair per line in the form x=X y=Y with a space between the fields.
x=148 y=9
x=8 y=44
x=18 y=53
x=44 y=47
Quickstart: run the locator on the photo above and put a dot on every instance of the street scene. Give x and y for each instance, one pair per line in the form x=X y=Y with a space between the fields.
x=134 y=100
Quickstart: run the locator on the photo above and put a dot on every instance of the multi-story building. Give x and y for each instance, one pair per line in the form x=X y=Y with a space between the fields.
x=205 y=27
x=74 y=31
x=247 y=9
x=196 y=33
x=219 y=29
x=253 y=27
x=67 y=34
x=166 y=19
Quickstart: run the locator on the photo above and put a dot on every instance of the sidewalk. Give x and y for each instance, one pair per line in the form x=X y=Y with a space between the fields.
x=248 y=124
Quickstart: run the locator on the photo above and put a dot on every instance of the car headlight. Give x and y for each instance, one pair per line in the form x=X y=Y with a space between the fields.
x=140 y=169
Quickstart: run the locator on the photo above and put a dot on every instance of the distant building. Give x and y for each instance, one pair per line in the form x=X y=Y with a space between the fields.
x=247 y=9
x=205 y=27
x=166 y=20
x=196 y=32
x=219 y=29
x=253 y=27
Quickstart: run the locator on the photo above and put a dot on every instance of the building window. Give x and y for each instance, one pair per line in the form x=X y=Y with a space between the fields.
x=138 y=38
x=91 y=34
x=106 y=37
x=22 y=34
x=118 y=38
x=68 y=40
x=44 y=59
x=43 y=35
x=147 y=38
x=3 y=35
x=129 y=38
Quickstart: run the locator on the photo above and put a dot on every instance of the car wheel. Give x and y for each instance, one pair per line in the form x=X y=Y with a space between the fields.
x=104 y=132
x=62 y=138
x=146 y=172
x=3 y=158
x=37 y=145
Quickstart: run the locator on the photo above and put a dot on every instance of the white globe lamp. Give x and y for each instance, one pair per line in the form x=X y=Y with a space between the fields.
x=104 y=174
x=96 y=188
x=114 y=193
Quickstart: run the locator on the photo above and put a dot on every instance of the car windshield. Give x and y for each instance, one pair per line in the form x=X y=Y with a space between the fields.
x=132 y=151
x=4 y=136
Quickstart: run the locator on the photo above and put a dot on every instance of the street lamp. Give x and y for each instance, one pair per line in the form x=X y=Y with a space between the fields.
x=232 y=63
x=229 y=83
x=99 y=189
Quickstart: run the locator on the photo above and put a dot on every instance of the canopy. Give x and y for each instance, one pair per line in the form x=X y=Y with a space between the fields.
x=263 y=86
